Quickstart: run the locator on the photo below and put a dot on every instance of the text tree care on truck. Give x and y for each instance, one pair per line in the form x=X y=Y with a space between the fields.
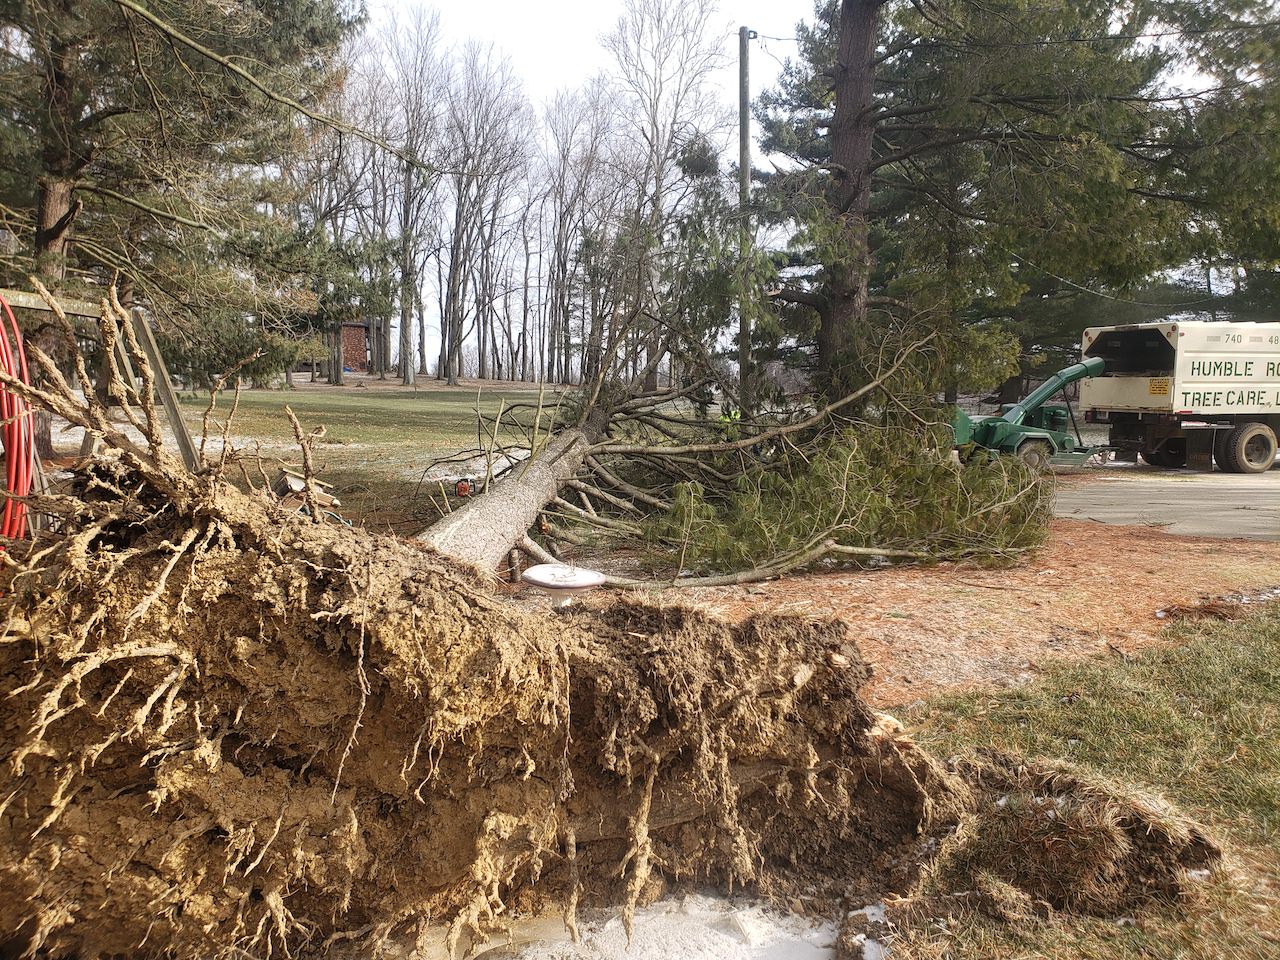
x=1188 y=393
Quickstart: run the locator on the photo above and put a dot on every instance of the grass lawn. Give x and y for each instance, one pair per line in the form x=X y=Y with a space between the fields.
x=1196 y=722
x=378 y=438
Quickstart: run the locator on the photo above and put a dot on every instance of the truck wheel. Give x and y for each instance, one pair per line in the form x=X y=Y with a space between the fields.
x=1249 y=448
x=1220 y=449
x=1035 y=454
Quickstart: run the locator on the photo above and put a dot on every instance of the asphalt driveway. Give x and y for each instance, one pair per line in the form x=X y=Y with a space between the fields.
x=1177 y=501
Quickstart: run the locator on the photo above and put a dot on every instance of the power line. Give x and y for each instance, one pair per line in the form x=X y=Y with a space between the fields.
x=1105 y=38
x=1098 y=293
x=769 y=53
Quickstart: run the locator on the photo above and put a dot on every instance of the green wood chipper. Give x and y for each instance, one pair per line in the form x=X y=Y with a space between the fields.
x=1031 y=429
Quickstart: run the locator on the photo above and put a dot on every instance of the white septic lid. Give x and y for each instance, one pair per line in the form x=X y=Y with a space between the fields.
x=559 y=576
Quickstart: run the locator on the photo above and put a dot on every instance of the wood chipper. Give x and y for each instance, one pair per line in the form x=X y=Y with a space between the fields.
x=1030 y=429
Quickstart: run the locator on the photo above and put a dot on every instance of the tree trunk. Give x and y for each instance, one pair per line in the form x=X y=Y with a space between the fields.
x=386 y=348
x=338 y=377
x=852 y=141
x=408 y=282
x=653 y=358
x=423 y=371
x=442 y=302
x=485 y=530
x=55 y=210
x=62 y=156
x=524 y=317
x=456 y=292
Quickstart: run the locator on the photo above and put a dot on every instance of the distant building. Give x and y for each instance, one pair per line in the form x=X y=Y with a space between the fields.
x=355 y=347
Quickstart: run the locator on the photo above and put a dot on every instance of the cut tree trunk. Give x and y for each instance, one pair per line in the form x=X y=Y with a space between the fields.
x=485 y=530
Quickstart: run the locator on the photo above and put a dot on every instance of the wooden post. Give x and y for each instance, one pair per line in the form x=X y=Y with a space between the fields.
x=745 y=373
x=164 y=386
x=31 y=301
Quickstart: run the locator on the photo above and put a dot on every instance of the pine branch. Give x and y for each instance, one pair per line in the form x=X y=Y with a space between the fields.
x=176 y=35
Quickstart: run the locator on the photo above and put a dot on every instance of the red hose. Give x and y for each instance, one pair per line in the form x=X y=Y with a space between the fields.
x=15 y=429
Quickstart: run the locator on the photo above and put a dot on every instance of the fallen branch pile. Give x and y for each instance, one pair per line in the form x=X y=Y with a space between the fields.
x=740 y=501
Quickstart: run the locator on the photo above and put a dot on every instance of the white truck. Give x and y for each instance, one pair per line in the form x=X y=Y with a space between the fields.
x=1189 y=393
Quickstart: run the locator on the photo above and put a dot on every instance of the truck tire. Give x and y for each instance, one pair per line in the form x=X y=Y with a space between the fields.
x=1220 y=449
x=1249 y=448
x=1035 y=454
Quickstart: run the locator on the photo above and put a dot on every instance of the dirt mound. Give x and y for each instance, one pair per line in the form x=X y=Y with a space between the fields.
x=1070 y=841
x=1043 y=838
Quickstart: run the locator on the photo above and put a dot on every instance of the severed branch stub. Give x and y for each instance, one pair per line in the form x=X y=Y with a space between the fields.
x=309 y=493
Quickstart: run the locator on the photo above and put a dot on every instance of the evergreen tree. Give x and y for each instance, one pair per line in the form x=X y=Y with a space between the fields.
x=959 y=158
x=129 y=154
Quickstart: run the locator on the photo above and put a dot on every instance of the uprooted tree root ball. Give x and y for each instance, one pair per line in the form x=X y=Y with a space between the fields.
x=230 y=730
x=233 y=731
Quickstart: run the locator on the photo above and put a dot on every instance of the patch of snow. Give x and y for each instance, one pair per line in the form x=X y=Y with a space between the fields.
x=873 y=912
x=696 y=927
x=474 y=468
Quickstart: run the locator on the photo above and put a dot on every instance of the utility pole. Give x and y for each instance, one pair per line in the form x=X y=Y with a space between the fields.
x=745 y=374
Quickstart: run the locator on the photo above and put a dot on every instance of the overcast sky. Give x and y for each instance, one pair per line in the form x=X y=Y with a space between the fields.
x=556 y=45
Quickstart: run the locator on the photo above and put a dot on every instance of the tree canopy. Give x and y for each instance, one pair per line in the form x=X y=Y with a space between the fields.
x=129 y=153
x=1000 y=172
x=954 y=159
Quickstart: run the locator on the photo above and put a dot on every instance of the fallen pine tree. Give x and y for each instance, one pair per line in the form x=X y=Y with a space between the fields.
x=232 y=730
x=796 y=487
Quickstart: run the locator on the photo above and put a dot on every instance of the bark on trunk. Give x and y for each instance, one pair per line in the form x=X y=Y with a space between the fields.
x=484 y=530
x=337 y=375
x=55 y=210
x=408 y=282
x=852 y=141
x=423 y=369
